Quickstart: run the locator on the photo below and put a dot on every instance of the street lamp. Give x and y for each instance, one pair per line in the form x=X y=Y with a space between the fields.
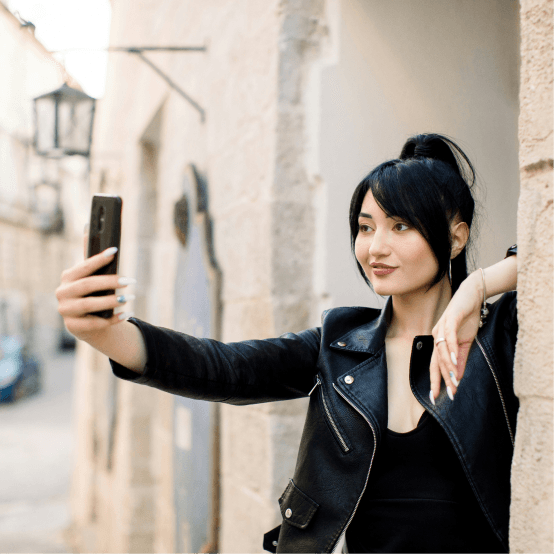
x=63 y=123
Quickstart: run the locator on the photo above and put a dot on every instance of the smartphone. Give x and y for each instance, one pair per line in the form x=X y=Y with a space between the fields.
x=105 y=231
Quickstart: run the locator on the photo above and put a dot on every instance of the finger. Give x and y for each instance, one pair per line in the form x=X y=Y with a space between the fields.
x=445 y=371
x=81 y=326
x=89 y=266
x=88 y=285
x=463 y=351
x=81 y=307
x=85 y=240
x=446 y=366
x=453 y=351
x=435 y=376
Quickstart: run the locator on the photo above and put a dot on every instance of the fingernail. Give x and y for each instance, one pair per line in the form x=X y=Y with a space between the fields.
x=453 y=379
x=126 y=281
x=125 y=298
x=449 y=392
x=431 y=397
x=125 y=315
x=453 y=358
x=110 y=251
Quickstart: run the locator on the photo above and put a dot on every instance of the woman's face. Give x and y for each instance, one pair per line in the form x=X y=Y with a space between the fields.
x=395 y=257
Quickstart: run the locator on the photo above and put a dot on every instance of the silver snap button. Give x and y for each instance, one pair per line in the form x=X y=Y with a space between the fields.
x=419 y=345
x=274 y=543
x=349 y=379
x=288 y=513
x=341 y=343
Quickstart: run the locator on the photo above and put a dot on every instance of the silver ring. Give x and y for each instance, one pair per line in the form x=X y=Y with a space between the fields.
x=440 y=340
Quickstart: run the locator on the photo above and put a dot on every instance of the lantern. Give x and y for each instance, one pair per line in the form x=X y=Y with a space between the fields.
x=63 y=123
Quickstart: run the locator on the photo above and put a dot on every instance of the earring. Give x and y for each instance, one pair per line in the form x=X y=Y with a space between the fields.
x=450 y=271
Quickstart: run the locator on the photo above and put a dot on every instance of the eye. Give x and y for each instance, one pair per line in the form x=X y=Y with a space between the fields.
x=401 y=227
x=364 y=228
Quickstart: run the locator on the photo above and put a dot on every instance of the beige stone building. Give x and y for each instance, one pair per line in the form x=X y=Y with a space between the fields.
x=41 y=200
x=301 y=99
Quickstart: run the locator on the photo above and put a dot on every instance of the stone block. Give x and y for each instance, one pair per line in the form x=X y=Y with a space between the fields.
x=245 y=448
x=534 y=361
x=247 y=517
x=536 y=100
x=241 y=246
x=532 y=506
x=142 y=508
x=140 y=433
x=140 y=542
x=292 y=249
x=247 y=320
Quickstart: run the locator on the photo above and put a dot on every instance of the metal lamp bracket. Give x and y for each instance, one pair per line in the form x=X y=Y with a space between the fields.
x=139 y=52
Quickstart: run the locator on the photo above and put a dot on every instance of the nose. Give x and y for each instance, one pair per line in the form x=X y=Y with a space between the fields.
x=379 y=246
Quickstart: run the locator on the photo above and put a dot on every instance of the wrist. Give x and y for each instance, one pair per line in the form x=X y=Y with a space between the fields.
x=472 y=287
x=475 y=281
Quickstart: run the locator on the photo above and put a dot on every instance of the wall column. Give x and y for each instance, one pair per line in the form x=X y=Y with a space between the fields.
x=532 y=484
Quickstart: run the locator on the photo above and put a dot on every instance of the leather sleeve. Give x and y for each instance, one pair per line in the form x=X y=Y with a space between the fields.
x=239 y=373
x=512 y=251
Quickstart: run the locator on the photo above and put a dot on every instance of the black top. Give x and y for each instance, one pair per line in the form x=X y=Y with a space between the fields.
x=418 y=499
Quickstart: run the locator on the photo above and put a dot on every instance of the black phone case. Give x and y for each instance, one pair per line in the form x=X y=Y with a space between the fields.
x=105 y=231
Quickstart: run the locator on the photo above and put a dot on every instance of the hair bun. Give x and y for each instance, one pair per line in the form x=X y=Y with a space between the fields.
x=438 y=147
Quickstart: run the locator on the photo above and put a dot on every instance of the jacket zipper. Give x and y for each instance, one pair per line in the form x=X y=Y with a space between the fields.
x=368 y=472
x=317 y=383
x=499 y=390
x=330 y=417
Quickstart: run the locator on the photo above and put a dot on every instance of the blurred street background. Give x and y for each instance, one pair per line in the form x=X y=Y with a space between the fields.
x=36 y=461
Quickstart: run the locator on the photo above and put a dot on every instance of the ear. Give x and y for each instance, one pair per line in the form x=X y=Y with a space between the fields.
x=460 y=234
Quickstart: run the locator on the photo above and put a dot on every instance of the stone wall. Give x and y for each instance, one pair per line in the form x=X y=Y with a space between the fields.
x=531 y=524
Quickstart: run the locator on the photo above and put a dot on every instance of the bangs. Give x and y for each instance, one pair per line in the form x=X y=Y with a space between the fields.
x=409 y=191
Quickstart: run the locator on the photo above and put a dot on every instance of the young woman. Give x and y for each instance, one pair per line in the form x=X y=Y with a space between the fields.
x=409 y=434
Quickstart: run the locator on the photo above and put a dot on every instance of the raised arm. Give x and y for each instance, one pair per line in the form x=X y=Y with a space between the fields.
x=460 y=321
x=239 y=373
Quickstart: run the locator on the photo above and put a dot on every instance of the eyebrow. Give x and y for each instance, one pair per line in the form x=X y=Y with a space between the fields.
x=369 y=216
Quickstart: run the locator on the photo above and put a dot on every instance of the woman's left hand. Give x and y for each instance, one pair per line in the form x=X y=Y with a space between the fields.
x=458 y=325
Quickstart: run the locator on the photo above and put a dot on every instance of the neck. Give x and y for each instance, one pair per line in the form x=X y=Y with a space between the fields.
x=417 y=313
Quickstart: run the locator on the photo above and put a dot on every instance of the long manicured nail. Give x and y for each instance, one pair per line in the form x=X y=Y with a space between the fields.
x=453 y=358
x=126 y=281
x=110 y=251
x=431 y=397
x=125 y=315
x=449 y=392
x=122 y=298
x=453 y=379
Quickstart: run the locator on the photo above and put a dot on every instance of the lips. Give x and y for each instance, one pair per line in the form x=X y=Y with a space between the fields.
x=382 y=269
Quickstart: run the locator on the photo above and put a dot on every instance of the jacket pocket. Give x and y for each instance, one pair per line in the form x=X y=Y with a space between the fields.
x=297 y=508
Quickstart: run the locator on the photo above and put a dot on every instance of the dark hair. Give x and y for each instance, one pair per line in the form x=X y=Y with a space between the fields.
x=428 y=186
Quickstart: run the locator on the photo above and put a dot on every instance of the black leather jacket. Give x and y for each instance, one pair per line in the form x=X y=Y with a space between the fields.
x=341 y=365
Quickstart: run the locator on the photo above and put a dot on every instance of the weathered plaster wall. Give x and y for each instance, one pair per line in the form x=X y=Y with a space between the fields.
x=532 y=514
x=251 y=152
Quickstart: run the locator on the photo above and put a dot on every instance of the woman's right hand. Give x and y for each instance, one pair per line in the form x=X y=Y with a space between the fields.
x=75 y=306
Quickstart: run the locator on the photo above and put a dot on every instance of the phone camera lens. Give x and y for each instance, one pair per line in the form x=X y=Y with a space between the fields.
x=101 y=218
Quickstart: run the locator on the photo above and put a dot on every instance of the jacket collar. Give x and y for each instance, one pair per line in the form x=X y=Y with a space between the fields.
x=369 y=337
